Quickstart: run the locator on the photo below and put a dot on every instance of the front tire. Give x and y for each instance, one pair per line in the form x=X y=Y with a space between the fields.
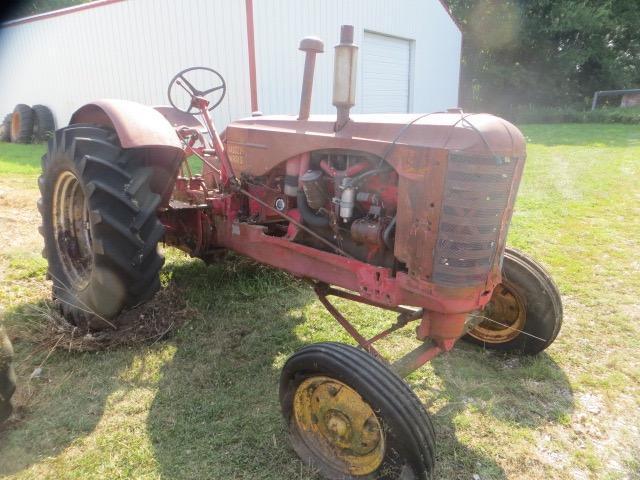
x=351 y=417
x=524 y=314
x=99 y=225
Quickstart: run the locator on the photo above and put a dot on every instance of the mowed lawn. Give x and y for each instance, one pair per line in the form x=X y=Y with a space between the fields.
x=203 y=404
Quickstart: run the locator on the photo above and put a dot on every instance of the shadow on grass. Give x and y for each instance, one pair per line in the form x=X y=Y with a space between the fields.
x=216 y=414
x=214 y=411
x=59 y=411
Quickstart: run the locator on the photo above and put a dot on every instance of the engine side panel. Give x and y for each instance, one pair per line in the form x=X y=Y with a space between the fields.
x=419 y=204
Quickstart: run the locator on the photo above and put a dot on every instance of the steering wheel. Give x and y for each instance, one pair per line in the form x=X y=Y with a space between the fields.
x=182 y=87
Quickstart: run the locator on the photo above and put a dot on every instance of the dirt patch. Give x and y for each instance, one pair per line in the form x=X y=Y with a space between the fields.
x=148 y=323
x=19 y=216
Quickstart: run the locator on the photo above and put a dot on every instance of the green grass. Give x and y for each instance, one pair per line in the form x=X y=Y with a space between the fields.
x=20 y=159
x=605 y=114
x=204 y=403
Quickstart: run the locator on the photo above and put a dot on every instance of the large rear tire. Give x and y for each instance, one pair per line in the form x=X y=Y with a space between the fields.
x=22 y=124
x=351 y=417
x=524 y=314
x=7 y=377
x=43 y=123
x=99 y=225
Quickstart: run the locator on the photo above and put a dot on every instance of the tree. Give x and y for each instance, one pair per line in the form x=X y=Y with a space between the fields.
x=13 y=9
x=546 y=52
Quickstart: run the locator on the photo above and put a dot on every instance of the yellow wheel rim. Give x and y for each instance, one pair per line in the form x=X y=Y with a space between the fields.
x=71 y=229
x=508 y=313
x=338 y=426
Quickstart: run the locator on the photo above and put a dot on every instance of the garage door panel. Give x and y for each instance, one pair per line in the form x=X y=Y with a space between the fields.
x=386 y=64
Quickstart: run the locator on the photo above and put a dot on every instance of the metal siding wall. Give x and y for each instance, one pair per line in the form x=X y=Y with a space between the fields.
x=132 y=49
x=124 y=50
x=436 y=51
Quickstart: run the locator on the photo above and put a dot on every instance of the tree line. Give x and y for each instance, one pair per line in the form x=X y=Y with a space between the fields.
x=546 y=52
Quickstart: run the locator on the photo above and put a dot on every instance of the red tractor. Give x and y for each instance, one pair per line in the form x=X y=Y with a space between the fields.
x=404 y=212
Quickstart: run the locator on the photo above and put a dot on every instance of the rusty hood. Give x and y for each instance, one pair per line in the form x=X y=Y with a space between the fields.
x=255 y=145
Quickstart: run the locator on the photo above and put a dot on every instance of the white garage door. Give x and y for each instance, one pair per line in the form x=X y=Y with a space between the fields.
x=386 y=76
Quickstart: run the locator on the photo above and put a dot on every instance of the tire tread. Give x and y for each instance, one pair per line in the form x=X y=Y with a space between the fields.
x=127 y=253
x=394 y=395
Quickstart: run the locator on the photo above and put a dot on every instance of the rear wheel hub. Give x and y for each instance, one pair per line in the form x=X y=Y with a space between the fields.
x=71 y=229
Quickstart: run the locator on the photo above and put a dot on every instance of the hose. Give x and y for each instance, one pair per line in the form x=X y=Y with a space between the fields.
x=359 y=178
x=309 y=216
x=386 y=236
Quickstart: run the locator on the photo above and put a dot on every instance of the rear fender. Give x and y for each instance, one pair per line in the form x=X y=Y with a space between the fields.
x=136 y=125
x=139 y=127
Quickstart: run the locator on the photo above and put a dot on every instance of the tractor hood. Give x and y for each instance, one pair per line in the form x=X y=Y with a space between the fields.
x=256 y=144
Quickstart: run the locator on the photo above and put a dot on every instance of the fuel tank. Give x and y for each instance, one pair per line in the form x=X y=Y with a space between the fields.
x=458 y=178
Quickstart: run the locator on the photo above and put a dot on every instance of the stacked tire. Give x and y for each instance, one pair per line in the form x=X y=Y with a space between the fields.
x=43 y=123
x=27 y=124
x=5 y=129
x=22 y=124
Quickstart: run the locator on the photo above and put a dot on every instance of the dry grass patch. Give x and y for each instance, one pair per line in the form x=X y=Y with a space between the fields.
x=43 y=326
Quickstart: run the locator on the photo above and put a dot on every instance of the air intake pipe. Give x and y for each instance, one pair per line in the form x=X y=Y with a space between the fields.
x=311 y=46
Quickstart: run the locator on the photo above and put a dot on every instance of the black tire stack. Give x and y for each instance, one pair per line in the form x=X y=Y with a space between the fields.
x=22 y=124
x=27 y=124
x=5 y=129
x=43 y=123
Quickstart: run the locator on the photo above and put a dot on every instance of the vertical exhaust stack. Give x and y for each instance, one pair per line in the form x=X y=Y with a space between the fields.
x=311 y=46
x=344 y=76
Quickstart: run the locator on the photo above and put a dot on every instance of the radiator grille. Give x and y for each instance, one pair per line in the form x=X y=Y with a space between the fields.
x=476 y=195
